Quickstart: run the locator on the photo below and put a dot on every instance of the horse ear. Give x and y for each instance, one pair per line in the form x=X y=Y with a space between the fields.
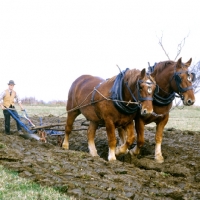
x=179 y=62
x=188 y=63
x=143 y=73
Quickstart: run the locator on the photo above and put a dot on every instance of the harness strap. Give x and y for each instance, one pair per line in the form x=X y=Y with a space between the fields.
x=132 y=95
x=178 y=81
x=94 y=92
x=92 y=98
x=139 y=96
x=158 y=100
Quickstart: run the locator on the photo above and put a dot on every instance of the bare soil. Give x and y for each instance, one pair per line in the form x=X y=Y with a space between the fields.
x=78 y=174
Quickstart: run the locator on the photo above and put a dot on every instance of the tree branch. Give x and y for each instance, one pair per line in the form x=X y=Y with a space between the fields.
x=180 y=46
x=160 y=43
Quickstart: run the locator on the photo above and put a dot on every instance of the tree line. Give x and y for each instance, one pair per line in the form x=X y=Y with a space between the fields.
x=33 y=101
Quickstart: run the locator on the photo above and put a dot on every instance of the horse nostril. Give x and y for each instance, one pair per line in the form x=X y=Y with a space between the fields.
x=189 y=102
x=144 y=111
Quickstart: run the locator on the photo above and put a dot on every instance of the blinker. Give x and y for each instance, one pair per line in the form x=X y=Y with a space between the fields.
x=193 y=77
x=189 y=78
x=178 y=81
x=157 y=89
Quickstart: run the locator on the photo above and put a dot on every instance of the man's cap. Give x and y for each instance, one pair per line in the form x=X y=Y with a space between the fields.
x=11 y=82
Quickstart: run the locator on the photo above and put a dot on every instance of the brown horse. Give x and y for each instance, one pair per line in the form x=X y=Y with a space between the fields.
x=113 y=103
x=171 y=77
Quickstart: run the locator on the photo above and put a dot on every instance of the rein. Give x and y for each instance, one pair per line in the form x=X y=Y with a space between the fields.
x=104 y=98
x=116 y=96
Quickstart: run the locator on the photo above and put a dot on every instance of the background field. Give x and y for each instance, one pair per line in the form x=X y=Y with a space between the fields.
x=183 y=118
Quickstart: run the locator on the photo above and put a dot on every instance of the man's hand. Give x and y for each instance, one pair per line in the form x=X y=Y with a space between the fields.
x=22 y=109
x=2 y=107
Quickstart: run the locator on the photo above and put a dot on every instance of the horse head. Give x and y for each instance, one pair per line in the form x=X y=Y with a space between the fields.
x=146 y=86
x=182 y=82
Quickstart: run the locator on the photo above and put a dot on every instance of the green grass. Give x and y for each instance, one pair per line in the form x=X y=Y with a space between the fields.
x=42 y=110
x=13 y=187
x=183 y=118
x=46 y=110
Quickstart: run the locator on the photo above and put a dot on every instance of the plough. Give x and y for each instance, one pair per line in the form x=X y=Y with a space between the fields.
x=42 y=131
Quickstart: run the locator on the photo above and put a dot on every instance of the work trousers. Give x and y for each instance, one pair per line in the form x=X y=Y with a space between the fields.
x=7 y=120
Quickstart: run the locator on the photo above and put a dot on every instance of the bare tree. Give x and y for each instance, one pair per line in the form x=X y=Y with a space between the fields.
x=196 y=83
x=195 y=68
x=161 y=44
x=179 y=47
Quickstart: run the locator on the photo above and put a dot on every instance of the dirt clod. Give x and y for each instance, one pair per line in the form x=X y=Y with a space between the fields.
x=77 y=173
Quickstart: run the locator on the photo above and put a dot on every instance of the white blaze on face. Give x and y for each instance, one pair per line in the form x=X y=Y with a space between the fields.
x=148 y=83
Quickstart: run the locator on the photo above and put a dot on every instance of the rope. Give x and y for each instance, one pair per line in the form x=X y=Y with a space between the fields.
x=104 y=98
x=128 y=102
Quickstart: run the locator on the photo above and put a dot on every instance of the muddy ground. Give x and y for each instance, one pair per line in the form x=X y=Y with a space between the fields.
x=78 y=174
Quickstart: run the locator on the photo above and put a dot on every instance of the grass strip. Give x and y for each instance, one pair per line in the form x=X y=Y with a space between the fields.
x=13 y=187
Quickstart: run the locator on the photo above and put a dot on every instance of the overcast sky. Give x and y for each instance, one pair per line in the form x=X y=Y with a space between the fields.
x=45 y=45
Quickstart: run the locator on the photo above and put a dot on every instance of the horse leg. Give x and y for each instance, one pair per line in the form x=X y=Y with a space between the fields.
x=91 y=135
x=68 y=127
x=158 y=138
x=129 y=140
x=110 y=129
x=122 y=135
x=139 y=126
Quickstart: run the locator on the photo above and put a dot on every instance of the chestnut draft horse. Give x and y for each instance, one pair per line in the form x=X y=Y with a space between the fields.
x=171 y=78
x=113 y=103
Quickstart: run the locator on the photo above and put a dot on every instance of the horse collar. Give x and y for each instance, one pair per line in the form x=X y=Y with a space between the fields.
x=116 y=95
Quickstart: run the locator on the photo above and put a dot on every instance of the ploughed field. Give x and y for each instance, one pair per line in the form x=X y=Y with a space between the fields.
x=85 y=177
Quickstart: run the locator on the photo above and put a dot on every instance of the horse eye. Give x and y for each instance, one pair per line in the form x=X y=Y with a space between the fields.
x=149 y=90
x=189 y=78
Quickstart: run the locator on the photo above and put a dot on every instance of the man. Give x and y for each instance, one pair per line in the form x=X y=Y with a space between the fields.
x=7 y=98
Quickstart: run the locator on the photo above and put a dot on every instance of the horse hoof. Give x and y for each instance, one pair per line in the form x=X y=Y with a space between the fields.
x=118 y=151
x=65 y=146
x=159 y=159
x=111 y=159
x=132 y=152
x=94 y=154
x=127 y=151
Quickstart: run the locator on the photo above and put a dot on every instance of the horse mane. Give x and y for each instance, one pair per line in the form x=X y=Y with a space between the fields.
x=129 y=73
x=112 y=78
x=163 y=65
x=131 y=76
